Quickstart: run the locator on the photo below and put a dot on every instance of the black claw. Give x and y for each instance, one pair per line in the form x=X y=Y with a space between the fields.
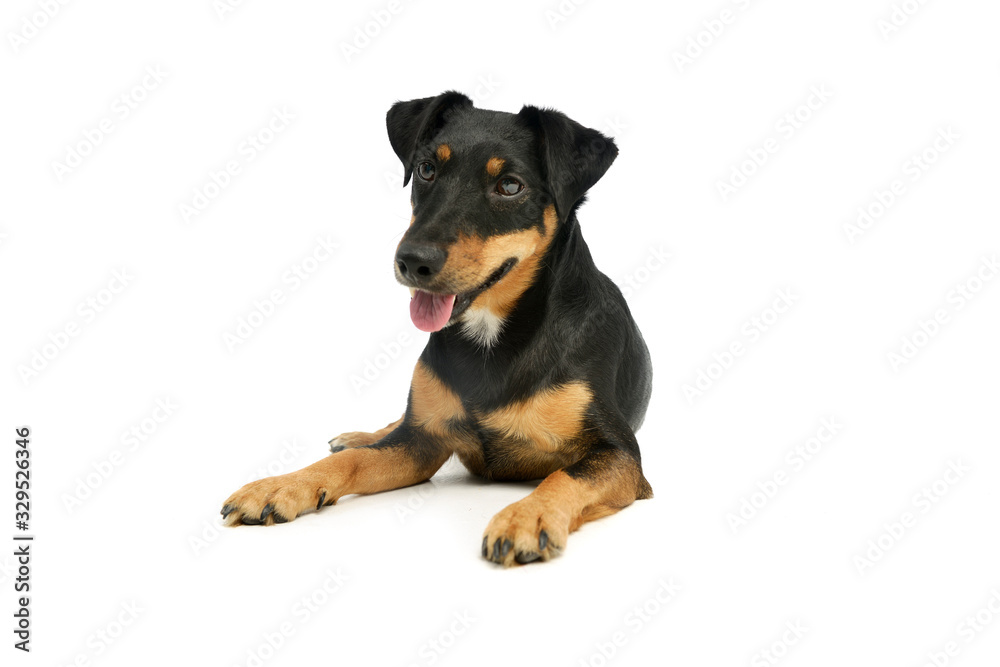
x=526 y=557
x=322 y=497
x=496 y=551
x=486 y=551
x=268 y=508
x=336 y=448
x=279 y=518
x=251 y=521
x=507 y=546
x=543 y=540
x=227 y=510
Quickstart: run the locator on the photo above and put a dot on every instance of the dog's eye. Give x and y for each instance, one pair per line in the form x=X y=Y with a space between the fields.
x=508 y=187
x=426 y=171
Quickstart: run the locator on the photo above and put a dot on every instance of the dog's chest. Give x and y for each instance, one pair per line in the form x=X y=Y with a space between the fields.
x=527 y=438
x=547 y=419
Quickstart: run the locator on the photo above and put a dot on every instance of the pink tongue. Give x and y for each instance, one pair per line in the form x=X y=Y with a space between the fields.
x=430 y=312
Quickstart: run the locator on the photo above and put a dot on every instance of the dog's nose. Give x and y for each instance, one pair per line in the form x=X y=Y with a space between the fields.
x=420 y=262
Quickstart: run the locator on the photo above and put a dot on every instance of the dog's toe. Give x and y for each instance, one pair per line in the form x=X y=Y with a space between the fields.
x=523 y=533
x=273 y=500
x=525 y=557
x=352 y=439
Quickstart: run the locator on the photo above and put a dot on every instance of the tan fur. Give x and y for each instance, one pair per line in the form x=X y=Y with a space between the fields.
x=519 y=461
x=547 y=420
x=472 y=259
x=443 y=153
x=359 y=470
x=561 y=504
x=433 y=404
x=500 y=299
x=362 y=438
x=494 y=166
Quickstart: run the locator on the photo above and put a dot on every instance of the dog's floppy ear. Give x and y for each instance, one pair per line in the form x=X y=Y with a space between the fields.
x=412 y=123
x=574 y=157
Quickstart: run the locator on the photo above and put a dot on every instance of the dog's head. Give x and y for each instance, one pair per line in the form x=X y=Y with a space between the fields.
x=490 y=190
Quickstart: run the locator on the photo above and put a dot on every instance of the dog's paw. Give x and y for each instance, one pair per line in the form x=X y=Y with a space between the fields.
x=352 y=439
x=524 y=532
x=274 y=500
x=361 y=438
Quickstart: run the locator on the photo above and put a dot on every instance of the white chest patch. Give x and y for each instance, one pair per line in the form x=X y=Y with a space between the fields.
x=482 y=326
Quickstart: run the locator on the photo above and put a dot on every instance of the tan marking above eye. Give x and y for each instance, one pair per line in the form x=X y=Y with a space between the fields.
x=443 y=152
x=547 y=420
x=494 y=166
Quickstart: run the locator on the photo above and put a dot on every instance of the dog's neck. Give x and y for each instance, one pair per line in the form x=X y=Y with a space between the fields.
x=533 y=334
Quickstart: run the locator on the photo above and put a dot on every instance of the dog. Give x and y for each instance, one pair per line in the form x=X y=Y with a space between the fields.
x=534 y=368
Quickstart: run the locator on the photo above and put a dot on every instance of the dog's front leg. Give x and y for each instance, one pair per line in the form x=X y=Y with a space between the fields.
x=604 y=481
x=403 y=457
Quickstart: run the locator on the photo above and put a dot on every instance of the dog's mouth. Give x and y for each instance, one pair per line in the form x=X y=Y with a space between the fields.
x=431 y=311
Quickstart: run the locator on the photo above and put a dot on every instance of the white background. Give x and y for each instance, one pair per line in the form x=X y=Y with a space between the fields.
x=149 y=535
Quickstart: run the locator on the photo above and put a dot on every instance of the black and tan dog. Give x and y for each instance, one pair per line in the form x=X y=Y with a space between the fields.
x=535 y=367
